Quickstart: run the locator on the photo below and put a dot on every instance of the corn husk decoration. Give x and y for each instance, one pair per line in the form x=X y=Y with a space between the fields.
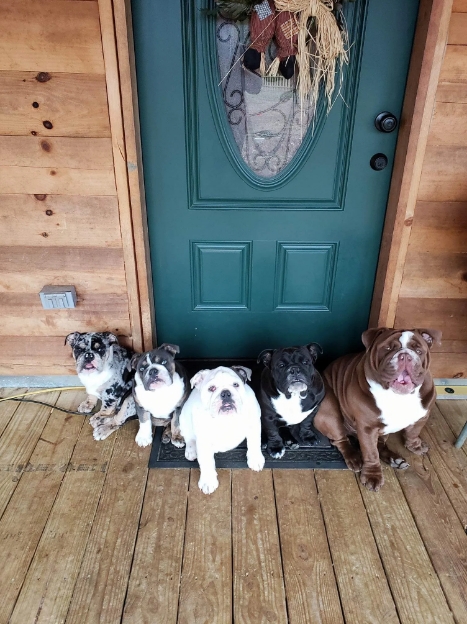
x=322 y=43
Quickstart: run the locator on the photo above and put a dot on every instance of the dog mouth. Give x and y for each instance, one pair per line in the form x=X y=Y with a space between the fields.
x=89 y=366
x=156 y=383
x=297 y=386
x=403 y=383
x=227 y=407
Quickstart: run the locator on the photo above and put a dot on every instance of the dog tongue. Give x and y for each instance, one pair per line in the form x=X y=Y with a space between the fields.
x=404 y=378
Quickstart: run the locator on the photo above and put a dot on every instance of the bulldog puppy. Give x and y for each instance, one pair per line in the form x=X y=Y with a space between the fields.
x=369 y=395
x=104 y=368
x=160 y=390
x=221 y=412
x=291 y=392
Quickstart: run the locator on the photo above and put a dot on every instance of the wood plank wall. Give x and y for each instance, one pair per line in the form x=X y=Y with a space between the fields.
x=60 y=211
x=433 y=291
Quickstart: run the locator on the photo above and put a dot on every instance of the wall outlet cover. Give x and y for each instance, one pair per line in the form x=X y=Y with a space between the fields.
x=58 y=297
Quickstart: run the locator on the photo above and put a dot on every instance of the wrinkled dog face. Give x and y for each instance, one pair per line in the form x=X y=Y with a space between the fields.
x=400 y=357
x=222 y=389
x=92 y=351
x=293 y=368
x=156 y=368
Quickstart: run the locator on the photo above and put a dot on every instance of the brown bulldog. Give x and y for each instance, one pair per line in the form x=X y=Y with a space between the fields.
x=369 y=395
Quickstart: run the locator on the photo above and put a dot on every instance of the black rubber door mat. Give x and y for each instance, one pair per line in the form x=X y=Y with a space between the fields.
x=322 y=455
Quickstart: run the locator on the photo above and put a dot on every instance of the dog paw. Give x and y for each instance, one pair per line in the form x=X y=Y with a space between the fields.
x=96 y=420
x=291 y=444
x=372 y=478
x=417 y=446
x=276 y=451
x=178 y=442
x=398 y=463
x=86 y=407
x=190 y=452
x=255 y=462
x=208 y=485
x=143 y=439
x=354 y=460
x=103 y=431
x=309 y=438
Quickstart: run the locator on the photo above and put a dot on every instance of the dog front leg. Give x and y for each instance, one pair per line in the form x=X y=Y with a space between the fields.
x=144 y=435
x=88 y=404
x=208 y=481
x=254 y=455
x=176 y=437
x=412 y=439
x=109 y=404
x=103 y=427
x=371 y=475
x=276 y=447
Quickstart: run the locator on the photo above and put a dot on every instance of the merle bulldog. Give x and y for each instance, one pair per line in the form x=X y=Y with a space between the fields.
x=291 y=392
x=160 y=388
x=385 y=389
x=104 y=368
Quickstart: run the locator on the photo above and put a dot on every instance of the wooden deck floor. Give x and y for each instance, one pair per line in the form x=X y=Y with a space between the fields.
x=88 y=535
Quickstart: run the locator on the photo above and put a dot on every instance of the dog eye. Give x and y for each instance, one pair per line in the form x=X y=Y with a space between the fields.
x=164 y=362
x=419 y=351
x=281 y=364
x=305 y=362
x=97 y=345
x=235 y=385
x=388 y=348
x=212 y=388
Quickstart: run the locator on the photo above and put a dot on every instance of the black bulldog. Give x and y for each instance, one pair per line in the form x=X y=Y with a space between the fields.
x=291 y=392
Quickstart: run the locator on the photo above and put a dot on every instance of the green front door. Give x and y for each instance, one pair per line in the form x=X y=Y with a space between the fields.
x=265 y=218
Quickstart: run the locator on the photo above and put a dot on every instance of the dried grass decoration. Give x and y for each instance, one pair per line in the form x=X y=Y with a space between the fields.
x=322 y=42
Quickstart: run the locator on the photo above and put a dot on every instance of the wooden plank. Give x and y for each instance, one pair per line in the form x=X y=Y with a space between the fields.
x=448 y=125
x=259 y=594
x=18 y=441
x=153 y=589
x=76 y=104
x=449 y=365
x=27 y=269
x=415 y=588
x=448 y=315
x=8 y=408
x=54 y=36
x=458 y=29
x=310 y=584
x=449 y=463
x=27 y=512
x=112 y=77
x=206 y=583
x=108 y=312
x=67 y=221
x=48 y=585
x=452 y=92
x=129 y=99
x=454 y=67
x=443 y=177
x=102 y=582
x=439 y=526
x=425 y=65
x=363 y=588
x=56 y=152
x=428 y=274
x=455 y=414
x=459 y=6
x=451 y=346
x=57 y=181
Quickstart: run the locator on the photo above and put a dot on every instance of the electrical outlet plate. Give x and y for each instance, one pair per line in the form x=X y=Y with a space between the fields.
x=58 y=297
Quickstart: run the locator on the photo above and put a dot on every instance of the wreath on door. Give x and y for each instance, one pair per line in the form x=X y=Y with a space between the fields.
x=310 y=36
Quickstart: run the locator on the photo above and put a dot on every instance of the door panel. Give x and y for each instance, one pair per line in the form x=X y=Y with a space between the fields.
x=243 y=262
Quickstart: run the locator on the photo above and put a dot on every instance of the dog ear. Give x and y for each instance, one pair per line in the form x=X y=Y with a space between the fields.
x=134 y=360
x=265 y=357
x=171 y=348
x=72 y=339
x=315 y=349
x=198 y=378
x=243 y=372
x=430 y=336
x=112 y=338
x=369 y=335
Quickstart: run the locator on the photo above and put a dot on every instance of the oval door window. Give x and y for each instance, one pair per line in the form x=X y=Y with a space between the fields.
x=264 y=113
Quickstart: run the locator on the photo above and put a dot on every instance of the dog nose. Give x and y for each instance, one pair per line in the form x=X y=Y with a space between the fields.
x=294 y=370
x=89 y=356
x=226 y=394
x=153 y=372
x=405 y=357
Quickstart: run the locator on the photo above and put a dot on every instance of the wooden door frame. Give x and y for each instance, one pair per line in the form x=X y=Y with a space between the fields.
x=427 y=55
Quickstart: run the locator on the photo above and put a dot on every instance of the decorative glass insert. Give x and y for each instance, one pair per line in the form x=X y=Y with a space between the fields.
x=264 y=113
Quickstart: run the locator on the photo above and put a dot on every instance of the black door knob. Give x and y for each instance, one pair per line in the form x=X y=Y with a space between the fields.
x=378 y=162
x=386 y=122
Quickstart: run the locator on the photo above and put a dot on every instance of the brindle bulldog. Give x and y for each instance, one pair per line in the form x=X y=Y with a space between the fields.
x=385 y=389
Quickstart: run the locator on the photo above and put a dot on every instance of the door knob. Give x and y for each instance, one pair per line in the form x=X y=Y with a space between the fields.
x=386 y=122
x=378 y=162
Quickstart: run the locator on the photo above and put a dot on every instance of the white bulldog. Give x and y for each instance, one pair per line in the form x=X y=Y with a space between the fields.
x=221 y=412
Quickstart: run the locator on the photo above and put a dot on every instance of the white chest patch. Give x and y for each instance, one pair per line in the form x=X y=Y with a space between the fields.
x=94 y=382
x=290 y=409
x=160 y=403
x=398 y=411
